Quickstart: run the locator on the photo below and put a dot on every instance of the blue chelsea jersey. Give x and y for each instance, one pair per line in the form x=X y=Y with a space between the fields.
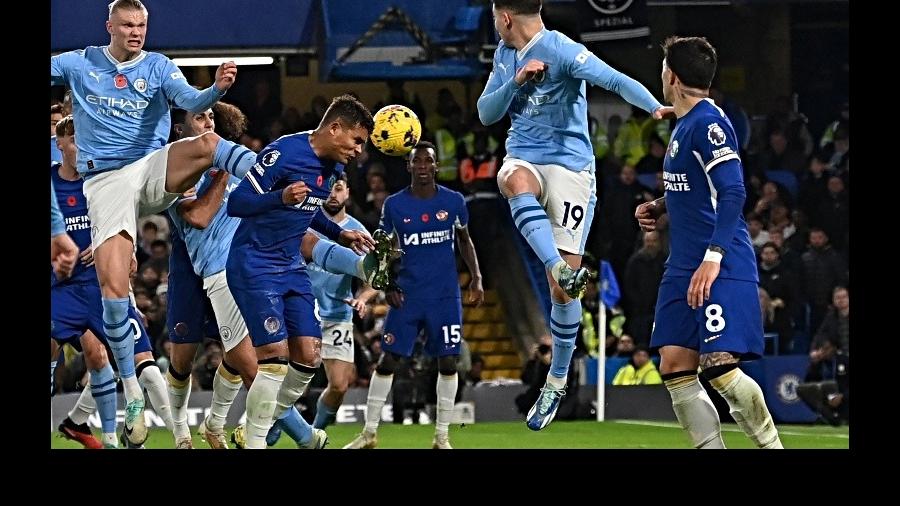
x=269 y=243
x=702 y=161
x=426 y=231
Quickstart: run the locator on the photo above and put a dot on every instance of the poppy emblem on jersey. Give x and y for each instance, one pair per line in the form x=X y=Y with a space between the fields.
x=272 y=325
x=319 y=180
x=389 y=339
x=442 y=215
x=71 y=201
x=120 y=81
x=270 y=158
x=716 y=135
x=673 y=149
x=425 y=218
x=140 y=85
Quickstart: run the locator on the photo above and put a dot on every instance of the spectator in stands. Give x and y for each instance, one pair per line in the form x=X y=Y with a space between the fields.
x=756 y=228
x=834 y=211
x=473 y=377
x=625 y=347
x=780 y=218
x=772 y=194
x=159 y=250
x=618 y=229
x=827 y=384
x=814 y=187
x=777 y=320
x=836 y=325
x=652 y=162
x=823 y=270
x=779 y=154
x=643 y=273
x=205 y=368
x=639 y=370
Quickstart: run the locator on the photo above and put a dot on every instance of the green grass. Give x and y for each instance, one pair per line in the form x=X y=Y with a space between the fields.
x=583 y=434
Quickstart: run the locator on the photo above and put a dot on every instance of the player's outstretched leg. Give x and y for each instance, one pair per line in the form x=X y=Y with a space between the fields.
x=372 y=268
x=746 y=404
x=694 y=409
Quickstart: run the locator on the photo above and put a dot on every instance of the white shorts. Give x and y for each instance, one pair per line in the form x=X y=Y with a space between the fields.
x=231 y=324
x=569 y=199
x=337 y=341
x=116 y=198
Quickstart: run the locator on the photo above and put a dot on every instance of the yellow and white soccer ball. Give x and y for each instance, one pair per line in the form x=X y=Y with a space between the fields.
x=397 y=130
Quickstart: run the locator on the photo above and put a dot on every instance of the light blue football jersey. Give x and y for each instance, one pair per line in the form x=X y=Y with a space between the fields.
x=122 y=109
x=549 y=114
x=332 y=289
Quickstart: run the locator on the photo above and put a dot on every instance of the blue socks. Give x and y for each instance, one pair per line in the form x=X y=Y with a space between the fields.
x=119 y=334
x=564 y=322
x=324 y=414
x=336 y=259
x=103 y=389
x=532 y=222
x=234 y=158
x=295 y=426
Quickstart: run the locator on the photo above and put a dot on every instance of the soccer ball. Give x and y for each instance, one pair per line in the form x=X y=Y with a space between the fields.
x=397 y=130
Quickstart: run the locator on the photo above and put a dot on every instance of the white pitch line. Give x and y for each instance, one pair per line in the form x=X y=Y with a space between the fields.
x=673 y=425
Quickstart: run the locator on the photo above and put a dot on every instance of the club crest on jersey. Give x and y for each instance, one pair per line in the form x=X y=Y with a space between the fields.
x=389 y=339
x=225 y=332
x=140 y=85
x=716 y=135
x=272 y=325
x=270 y=158
x=425 y=218
x=121 y=81
x=331 y=180
x=673 y=149
x=442 y=215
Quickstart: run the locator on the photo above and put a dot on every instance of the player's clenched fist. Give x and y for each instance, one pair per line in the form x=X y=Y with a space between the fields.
x=225 y=75
x=530 y=71
x=294 y=193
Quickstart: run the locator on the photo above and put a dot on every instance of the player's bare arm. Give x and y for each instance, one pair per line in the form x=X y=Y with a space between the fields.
x=467 y=250
x=200 y=212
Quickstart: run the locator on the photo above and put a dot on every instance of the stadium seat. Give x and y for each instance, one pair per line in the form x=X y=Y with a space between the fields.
x=785 y=178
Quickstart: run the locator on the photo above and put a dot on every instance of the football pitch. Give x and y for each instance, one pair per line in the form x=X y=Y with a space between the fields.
x=560 y=435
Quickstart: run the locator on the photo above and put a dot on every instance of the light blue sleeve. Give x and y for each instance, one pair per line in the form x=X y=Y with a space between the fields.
x=497 y=95
x=57 y=223
x=583 y=64
x=185 y=96
x=61 y=64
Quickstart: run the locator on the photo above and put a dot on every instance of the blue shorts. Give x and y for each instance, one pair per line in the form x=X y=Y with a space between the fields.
x=190 y=317
x=729 y=321
x=77 y=308
x=276 y=307
x=440 y=318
